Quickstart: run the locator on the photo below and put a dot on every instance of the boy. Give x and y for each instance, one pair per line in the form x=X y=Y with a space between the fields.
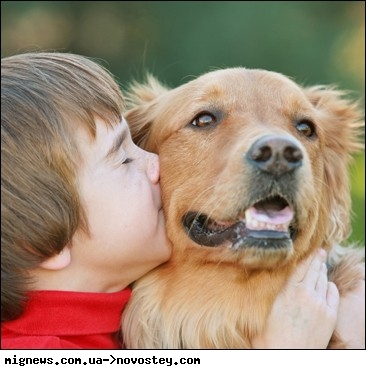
x=67 y=227
x=82 y=218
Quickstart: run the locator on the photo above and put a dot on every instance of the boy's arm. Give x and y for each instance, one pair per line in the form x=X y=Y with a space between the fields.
x=351 y=316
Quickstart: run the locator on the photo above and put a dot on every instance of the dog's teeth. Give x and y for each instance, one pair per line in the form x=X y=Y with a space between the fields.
x=256 y=220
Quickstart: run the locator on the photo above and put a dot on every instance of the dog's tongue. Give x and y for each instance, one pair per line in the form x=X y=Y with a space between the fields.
x=268 y=219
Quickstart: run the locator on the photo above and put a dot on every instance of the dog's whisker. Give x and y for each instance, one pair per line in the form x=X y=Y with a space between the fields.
x=256 y=167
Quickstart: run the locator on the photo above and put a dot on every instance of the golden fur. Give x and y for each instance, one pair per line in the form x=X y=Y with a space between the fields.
x=220 y=296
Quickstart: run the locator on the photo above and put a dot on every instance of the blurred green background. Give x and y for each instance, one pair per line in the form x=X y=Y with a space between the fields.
x=314 y=42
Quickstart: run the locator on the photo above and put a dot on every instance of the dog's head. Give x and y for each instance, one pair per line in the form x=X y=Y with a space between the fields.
x=253 y=166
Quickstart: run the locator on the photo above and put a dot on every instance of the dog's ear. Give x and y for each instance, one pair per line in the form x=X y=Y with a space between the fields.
x=340 y=120
x=140 y=101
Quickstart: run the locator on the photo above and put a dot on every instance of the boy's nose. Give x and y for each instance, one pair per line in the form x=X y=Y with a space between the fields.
x=153 y=168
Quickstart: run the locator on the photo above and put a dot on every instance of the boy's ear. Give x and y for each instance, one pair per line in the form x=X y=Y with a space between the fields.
x=58 y=261
x=141 y=100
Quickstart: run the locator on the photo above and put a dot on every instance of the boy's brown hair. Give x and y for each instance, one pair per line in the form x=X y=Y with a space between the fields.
x=45 y=98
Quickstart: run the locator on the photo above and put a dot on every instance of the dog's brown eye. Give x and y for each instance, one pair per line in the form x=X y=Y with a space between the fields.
x=306 y=128
x=203 y=120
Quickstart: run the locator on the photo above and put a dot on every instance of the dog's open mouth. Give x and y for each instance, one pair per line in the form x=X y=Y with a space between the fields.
x=266 y=224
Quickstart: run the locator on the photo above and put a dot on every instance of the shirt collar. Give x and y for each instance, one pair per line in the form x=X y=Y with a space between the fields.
x=71 y=313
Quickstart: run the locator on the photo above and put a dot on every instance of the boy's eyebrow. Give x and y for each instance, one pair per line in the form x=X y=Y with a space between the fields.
x=118 y=141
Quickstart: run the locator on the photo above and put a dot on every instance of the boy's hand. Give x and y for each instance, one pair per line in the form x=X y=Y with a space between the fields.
x=305 y=312
x=351 y=316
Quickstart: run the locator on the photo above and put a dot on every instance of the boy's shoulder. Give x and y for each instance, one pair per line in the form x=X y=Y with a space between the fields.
x=11 y=340
x=67 y=320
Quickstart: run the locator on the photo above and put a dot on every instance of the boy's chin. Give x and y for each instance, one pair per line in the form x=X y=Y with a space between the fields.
x=161 y=255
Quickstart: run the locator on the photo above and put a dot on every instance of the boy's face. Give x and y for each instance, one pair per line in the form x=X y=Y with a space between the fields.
x=120 y=192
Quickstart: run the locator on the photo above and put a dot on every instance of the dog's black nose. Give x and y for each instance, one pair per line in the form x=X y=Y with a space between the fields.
x=275 y=154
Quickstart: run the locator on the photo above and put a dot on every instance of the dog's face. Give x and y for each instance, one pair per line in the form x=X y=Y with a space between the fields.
x=253 y=166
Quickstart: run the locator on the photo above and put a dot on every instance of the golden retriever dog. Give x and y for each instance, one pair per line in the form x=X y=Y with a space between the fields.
x=254 y=180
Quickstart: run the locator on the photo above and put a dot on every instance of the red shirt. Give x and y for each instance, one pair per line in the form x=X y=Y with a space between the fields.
x=67 y=320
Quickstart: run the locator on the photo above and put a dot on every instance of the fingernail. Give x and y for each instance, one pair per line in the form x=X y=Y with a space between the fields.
x=322 y=253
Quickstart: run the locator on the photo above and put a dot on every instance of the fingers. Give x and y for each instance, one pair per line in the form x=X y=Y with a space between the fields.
x=308 y=270
x=300 y=271
x=314 y=273
x=316 y=277
x=332 y=297
x=321 y=286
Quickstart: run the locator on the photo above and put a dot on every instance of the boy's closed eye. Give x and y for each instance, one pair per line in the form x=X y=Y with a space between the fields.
x=127 y=161
x=122 y=159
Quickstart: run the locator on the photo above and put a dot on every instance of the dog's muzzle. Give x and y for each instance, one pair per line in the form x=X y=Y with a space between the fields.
x=269 y=221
